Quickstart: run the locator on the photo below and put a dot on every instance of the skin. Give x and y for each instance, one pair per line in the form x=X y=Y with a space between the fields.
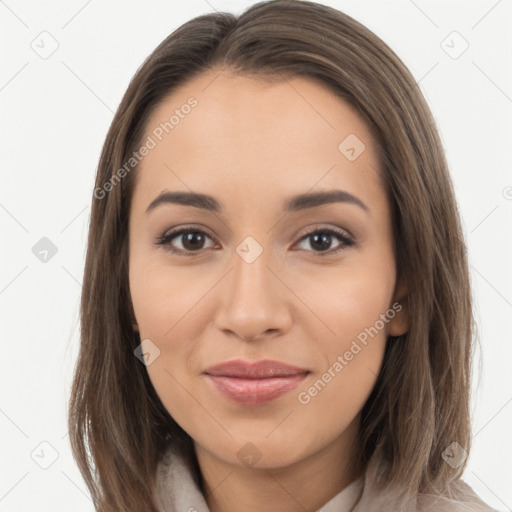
x=252 y=144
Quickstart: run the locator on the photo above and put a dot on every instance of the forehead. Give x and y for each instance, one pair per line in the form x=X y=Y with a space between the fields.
x=224 y=129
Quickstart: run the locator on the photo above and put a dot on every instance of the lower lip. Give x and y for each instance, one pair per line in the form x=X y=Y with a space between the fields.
x=255 y=391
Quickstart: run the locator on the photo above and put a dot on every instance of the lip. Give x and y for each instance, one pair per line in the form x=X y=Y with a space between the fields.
x=255 y=383
x=258 y=370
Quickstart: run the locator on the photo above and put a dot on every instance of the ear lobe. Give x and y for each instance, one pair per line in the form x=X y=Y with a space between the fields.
x=135 y=327
x=399 y=324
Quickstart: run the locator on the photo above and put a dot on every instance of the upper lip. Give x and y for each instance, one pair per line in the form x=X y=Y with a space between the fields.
x=257 y=370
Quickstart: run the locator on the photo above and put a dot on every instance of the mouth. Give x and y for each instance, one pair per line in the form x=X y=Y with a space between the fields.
x=255 y=383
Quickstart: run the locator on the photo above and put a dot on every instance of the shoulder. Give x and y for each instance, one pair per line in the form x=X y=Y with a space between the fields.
x=377 y=497
x=460 y=498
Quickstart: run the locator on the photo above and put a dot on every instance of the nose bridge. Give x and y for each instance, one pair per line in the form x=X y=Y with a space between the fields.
x=251 y=279
x=252 y=302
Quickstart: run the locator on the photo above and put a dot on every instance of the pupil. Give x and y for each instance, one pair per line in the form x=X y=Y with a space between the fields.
x=325 y=240
x=191 y=239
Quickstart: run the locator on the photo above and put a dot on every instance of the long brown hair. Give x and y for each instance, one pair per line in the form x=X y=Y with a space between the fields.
x=118 y=427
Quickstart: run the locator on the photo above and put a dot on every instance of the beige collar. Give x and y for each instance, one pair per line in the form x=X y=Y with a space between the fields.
x=178 y=492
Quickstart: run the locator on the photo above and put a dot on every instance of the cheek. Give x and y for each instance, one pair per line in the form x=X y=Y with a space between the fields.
x=354 y=307
x=351 y=354
x=166 y=298
x=172 y=307
x=350 y=302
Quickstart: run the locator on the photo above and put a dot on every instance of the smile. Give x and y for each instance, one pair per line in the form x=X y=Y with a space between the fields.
x=255 y=383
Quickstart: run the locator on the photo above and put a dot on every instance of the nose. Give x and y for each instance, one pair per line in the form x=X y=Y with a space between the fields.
x=254 y=302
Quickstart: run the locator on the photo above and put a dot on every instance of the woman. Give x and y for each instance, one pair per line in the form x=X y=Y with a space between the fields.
x=276 y=312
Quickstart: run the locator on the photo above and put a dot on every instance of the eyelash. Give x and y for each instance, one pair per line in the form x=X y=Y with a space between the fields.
x=165 y=240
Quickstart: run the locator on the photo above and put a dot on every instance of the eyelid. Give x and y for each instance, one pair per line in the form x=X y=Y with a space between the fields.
x=347 y=240
x=170 y=234
x=338 y=231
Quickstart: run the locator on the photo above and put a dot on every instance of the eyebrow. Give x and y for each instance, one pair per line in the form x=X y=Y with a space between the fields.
x=293 y=204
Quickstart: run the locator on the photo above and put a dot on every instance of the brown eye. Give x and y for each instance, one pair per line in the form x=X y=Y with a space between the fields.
x=192 y=241
x=320 y=240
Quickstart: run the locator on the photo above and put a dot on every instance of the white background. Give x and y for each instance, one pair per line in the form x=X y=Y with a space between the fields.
x=55 y=113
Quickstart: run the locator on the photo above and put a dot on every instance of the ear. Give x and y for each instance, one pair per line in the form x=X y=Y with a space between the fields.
x=399 y=324
x=135 y=327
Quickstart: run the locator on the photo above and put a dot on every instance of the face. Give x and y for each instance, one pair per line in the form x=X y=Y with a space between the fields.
x=248 y=279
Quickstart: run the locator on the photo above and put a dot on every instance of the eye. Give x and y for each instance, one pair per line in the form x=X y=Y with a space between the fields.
x=192 y=243
x=321 y=238
x=193 y=240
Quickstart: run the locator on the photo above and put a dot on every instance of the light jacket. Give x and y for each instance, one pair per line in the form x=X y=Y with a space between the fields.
x=177 y=492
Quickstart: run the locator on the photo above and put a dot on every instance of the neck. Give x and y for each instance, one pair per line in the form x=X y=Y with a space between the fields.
x=305 y=485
